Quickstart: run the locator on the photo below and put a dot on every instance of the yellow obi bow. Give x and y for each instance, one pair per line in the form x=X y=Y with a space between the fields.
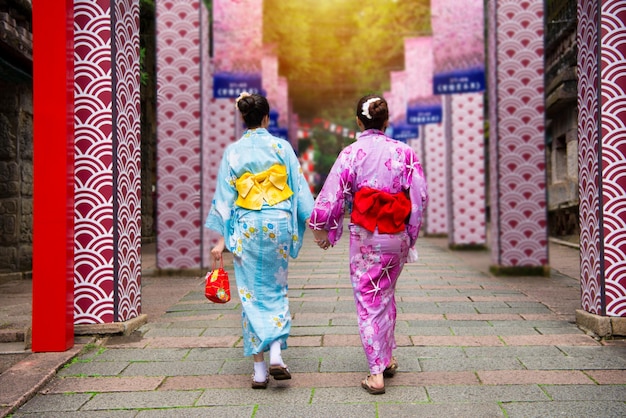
x=269 y=185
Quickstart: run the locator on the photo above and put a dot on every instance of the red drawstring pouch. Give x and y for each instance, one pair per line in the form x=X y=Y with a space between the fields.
x=217 y=288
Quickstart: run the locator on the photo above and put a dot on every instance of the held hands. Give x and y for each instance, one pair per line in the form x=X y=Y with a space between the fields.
x=321 y=238
x=218 y=249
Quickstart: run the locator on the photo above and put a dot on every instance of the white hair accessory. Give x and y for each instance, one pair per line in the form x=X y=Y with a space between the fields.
x=365 y=110
x=241 y=96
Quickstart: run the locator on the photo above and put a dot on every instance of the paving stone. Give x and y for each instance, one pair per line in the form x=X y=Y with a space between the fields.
x=342 y=364
x=595 y=352
x=586 y=392
x=316 y=410
x=580 y=409
x=79 y=414
x=517 y=393
x=424 y=307
x=470 y=364
x=429 y=352
x=346 y=307
x=528 y=309
x=327 y=330
x=443 y=331
x=322 y=352
x=356 y=394
x=322 y=307
x=141 y=400
x=145 y=354
x=483 y=410
x=458 y=340
x=186 y=307
x=173 y=368
x=206 y=353
x=492 y=330
x=94 y=368
x=188 y=342
x=572 y=363
x=445 y=323
x=275 y=394
x=203 y=412
x=154 y=325
x=464 y=307
x=342 y=340
x=193 y=296
x=305 y=341
x=559 y=330
x=179 y=314
x=102 y=384
x=529 y=377
x=175 y=332
x=534 y=324
x=495 y=352
x=413 y=379
x=607 y=377
x=221 y=332
x=552 y=339
x=325 y=321
x=233 y=323
x=56 y=403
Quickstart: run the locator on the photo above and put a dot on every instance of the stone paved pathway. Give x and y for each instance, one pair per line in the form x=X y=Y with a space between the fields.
x=470 y=345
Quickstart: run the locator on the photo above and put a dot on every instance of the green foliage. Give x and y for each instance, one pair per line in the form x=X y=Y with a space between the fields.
x=143 y=74
x=327 y=146
x=334 y=51
x=303 y=145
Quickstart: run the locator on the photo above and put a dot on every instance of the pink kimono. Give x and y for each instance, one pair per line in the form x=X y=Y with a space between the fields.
x=388 y=171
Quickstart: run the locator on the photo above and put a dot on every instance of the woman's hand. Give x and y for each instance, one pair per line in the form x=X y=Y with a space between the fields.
x=218 y=249
x=321 y=238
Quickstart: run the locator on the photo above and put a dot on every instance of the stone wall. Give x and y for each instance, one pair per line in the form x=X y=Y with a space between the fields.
x=148 y=122
x=16 y=138
x=561 y=118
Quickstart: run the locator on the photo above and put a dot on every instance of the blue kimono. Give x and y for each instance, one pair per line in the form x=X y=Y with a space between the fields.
x=261 y=203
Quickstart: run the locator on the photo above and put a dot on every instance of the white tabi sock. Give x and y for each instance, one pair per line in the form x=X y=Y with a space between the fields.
x=260 y=371
x=275 y=357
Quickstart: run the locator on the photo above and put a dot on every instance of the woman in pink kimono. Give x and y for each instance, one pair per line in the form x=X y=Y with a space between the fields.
x=383 y=180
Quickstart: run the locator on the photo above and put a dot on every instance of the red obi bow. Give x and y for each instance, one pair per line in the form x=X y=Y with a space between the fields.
x=372 y=208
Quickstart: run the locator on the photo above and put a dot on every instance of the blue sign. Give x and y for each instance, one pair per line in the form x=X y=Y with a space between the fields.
x=459 y=81
x=279 y=132
x=402 y=132
x=273 y=119
x=231 y=85
x=422 y=114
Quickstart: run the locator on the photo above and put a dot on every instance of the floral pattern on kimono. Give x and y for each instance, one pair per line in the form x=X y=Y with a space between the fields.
x=376 y=260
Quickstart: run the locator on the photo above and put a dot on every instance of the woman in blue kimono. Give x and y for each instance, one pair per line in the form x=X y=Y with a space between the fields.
x=260 y=210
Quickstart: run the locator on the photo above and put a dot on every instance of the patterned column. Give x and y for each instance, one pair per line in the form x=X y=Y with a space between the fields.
x=218 y=126
x=417 y=144
x=602 y=155
x=466 y=165
x=519 y=236
x=179 y=220
x=435 y=151
x=107 y=163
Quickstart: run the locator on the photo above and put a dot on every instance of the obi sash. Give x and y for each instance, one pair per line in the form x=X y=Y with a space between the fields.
x=267 y=186
x=373 y=208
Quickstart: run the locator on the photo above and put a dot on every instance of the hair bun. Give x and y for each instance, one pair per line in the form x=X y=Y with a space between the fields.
x=245 y=104
x=378 y=109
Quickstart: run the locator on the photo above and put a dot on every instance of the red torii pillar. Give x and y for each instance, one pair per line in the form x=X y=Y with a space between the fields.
x=53 y=207
x=87 y=210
